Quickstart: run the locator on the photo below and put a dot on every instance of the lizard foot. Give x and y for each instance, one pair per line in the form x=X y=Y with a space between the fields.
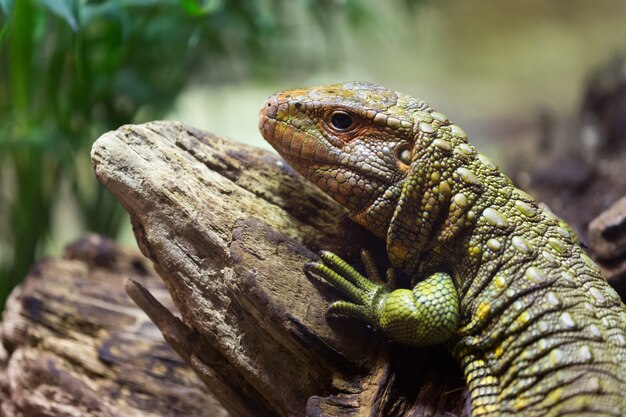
x=364 y=294
x=426 y=315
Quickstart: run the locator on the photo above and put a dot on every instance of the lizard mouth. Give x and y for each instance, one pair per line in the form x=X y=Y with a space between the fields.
x=354 y=188
x=294 y=144
x=291 y=142
x=354 y=185
x=305 y=150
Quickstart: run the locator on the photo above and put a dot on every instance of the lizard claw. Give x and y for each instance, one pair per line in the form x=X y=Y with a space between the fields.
x=425 y=315
x=364 y=293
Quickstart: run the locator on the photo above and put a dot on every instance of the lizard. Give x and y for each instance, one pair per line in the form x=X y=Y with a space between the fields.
x=499 y=280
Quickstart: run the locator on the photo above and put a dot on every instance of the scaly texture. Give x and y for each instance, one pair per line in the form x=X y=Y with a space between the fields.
x=536 y=329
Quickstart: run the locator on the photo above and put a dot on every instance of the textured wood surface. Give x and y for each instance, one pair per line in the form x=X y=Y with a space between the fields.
x=74 y=344
x=229 y=228
x=607 y=241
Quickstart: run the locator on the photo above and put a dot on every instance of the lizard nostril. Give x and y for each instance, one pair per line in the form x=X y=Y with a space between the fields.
x=270 y=108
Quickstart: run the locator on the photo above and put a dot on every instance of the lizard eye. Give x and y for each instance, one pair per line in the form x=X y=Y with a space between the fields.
x=340 y=120
x=404 y=154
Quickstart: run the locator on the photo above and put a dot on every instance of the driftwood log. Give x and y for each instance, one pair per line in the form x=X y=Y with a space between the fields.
x=607 y=241
x=228 y=228
x=75 y=345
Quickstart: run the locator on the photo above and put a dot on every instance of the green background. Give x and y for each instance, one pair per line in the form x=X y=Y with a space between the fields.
x=71 y=70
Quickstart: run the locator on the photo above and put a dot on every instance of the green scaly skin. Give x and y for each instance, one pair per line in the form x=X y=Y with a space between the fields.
x=502 y=283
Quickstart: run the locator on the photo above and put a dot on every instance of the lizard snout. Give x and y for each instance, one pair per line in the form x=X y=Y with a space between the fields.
x=269 y=109
x=267 y=119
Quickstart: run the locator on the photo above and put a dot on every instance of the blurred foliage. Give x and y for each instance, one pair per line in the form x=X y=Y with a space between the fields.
x=73 y=69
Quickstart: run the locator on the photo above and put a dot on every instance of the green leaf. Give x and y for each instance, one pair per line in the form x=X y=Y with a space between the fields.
x=65 y=9
x=89 y=11
x=202 y=7
x=358 y=13
x=5 y=6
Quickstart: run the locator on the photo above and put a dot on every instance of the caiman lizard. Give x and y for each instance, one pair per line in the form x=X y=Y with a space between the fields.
x=501 y=282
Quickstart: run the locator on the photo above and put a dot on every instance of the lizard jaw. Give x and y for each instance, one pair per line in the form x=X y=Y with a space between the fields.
x=298 y=146
x=293 y=144
x=319 y=161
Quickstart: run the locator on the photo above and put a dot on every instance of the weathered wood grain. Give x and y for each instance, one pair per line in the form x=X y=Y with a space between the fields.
x=74 y=344
x=229 y=228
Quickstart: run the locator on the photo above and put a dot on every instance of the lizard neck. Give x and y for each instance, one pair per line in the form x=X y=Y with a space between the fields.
x=437 y=198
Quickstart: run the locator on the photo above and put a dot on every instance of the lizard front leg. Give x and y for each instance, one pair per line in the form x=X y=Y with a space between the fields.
x=426 y=315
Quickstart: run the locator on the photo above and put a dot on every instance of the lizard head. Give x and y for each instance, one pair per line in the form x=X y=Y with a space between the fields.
x=356 y=141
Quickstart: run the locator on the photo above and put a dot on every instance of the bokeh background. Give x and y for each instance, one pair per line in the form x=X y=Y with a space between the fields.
x=526 y=79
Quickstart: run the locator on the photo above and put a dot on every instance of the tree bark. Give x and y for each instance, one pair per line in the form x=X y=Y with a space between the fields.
x=228 y=228
x=75 y=345
x=607 y=241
